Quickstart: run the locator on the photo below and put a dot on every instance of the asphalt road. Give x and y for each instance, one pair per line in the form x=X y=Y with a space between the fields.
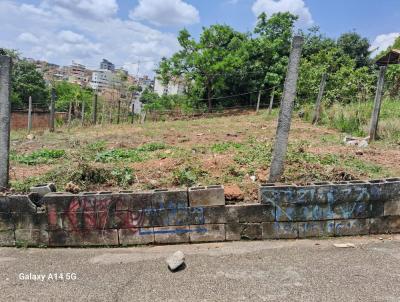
x=304 y=270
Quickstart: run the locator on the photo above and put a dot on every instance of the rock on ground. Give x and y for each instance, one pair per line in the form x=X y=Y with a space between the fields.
x=176 y=260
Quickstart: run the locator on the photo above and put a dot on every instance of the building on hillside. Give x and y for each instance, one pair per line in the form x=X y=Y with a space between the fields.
x=78 y=74
x=175 y=86
x=102 y=79
x=105 y=64
x=51 y=72
x=146 y=82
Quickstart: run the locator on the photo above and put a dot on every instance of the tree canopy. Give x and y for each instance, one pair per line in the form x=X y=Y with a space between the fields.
x=26 y=81
x=224 y=67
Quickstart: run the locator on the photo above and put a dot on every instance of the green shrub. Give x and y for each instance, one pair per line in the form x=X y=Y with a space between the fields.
x=38 y=157
x=188 y=176
x=225 y=146
x=123 y=176
x=150 y=147
x=115 y=155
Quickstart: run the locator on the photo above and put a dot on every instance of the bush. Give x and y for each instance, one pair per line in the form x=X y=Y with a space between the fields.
x=188 y=176
x=43 y=156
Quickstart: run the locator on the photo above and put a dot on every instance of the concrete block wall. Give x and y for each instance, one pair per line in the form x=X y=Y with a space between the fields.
x=200 y=215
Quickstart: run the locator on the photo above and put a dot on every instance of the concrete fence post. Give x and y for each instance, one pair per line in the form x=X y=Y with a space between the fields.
x=83 y=114
x=132 y=113
x=52 y=110
x=30 y=115
x=271 y=100
x=95 y=109
x=5 y=119
x=285 y=114
x=103 y=113
x=69 y=114
x=258 y=101
x=377 y=104
x=317 y=110
x=119 y=111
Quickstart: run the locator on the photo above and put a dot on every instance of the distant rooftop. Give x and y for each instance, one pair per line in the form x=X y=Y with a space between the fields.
x=392 y=57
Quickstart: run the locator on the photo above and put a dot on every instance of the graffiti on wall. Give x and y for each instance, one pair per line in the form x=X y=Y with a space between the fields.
x=85 y=213
x=320 y=202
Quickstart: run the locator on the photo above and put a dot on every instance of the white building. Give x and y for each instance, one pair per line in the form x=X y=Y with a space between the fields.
x=103 y=79
x=175 y=86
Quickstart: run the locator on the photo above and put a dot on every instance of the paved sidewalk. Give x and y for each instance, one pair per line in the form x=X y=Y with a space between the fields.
x=303 y=270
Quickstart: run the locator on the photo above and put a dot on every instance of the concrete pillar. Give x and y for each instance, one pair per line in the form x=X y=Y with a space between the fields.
x=30 y=115
x=83 y=114
x=317 y=110
x=69 y=114
x=271 y=100
x=119 y=111
x=52 y=110
x=258 y=101
x=377 y=104
x=5 y=119
x=95 y=109
x=103 y=113
x=285 y=114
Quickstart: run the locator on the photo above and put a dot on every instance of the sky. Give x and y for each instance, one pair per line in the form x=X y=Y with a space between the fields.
x=135 y=34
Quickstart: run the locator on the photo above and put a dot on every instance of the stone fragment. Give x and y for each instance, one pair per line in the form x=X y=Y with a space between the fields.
x=344 y=245
x=176 y=260
x=44 y=189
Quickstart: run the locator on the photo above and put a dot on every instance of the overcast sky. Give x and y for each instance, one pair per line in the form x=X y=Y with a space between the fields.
x=128 y=31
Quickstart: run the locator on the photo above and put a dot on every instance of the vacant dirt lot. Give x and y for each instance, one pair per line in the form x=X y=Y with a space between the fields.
x=232 y=150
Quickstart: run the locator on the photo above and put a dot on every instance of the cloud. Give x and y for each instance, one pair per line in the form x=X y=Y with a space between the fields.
x=61 y=36
x=27 y=37
x=166 y=12
x=382 y=42
x=296 y=7
x=98 y=9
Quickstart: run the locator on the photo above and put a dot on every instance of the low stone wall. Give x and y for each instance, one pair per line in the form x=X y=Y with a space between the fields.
x=200 y=215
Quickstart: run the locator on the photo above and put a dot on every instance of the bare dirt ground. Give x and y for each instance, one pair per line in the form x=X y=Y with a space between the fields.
x=230 y=150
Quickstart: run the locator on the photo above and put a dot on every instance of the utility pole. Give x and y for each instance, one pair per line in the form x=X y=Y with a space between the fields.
x=377 y=104
x=271 y=100
x=285 y=114
x=317 y=110
x=52 y=109
x=30 y=115
x=5 y=119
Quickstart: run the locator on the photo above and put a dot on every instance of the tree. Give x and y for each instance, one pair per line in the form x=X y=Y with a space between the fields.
x=74 y=95
x=27 y=81
x=268 y=52
x=207 y=61
x=355 y=47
